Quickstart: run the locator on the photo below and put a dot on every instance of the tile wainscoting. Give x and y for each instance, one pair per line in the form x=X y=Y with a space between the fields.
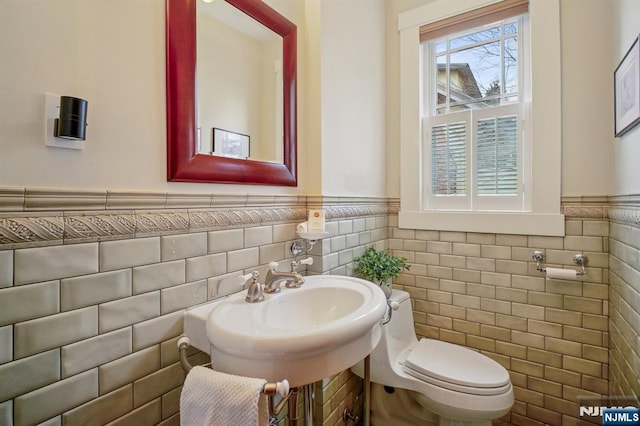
x=93 y=286
x=624 y=297
x=484 y=291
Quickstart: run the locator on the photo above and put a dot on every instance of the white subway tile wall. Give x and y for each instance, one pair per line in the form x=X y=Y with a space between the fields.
x=88 y=290
x=128 y=253
x=624 y=309
x=128 y=369
x=6 y=344
x=36 y=406
x=95 y=323
x=49 y=263
x=174 y=247
x=53 y=331
x=30 y=373
x=99 y=320
x=44 y=297
x=6 y=268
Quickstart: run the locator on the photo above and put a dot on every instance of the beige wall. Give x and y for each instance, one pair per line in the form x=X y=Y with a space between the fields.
x=393 y=9
x=626 y=150
x=353 y=98
x=346 y=98
x=108 y=53
x=587 y=31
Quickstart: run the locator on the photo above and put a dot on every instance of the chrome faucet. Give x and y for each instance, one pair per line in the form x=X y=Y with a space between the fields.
x=274 y=278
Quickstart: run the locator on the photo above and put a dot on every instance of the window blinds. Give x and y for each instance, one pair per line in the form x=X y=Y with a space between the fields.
x=449 y=159
x=497 y=156
x=473 y=18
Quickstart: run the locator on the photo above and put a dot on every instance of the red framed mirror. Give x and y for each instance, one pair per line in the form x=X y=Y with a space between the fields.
x=184 y=164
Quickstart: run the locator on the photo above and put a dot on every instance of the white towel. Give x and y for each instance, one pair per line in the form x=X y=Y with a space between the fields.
x=213 y=398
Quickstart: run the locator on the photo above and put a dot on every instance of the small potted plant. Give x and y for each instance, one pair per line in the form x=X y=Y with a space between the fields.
x=380 y=267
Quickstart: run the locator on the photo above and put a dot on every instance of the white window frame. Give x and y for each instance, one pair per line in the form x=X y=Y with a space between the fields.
x=541 y=215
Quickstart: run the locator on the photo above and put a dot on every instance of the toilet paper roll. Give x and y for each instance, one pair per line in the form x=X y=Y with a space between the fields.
x=561 y=274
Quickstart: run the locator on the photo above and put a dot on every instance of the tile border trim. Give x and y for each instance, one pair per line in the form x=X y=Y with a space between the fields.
x=625 y=216
x=41 y=217
x=32 y=217
x=30 y=230
x=625 y=209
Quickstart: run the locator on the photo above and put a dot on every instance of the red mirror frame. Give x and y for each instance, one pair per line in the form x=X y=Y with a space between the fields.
x=184 y=164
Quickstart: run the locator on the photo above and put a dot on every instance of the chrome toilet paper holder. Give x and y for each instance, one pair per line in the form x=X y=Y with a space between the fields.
x=578 y=259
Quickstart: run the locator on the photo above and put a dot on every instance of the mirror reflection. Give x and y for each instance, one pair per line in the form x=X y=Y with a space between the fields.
x=239 y=85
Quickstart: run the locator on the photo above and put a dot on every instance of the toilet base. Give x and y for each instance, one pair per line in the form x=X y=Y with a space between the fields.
x=402 y=407
x=398 y=407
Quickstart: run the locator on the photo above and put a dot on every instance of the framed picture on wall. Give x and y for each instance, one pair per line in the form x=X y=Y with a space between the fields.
x=230 y=144
x=627 y=90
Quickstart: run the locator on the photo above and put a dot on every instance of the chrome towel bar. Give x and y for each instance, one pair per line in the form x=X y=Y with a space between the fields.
x=281 y=388
x=269 y=389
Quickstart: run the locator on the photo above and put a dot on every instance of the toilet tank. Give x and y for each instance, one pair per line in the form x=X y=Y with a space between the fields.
x=400 y=332
x=398 y=335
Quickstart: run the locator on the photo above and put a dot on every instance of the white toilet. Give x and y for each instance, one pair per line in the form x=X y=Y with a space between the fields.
x=460 y=386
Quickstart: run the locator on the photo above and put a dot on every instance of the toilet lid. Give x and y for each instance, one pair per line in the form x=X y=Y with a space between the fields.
x=455 y=364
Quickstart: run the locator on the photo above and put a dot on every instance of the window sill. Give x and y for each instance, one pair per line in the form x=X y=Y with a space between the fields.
x=549 y=224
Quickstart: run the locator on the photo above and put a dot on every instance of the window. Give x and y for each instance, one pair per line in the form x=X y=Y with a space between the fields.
x=480 y=121
x=474 y=136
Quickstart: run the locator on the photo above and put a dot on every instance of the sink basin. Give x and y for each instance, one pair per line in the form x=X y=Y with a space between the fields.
x=300 y=334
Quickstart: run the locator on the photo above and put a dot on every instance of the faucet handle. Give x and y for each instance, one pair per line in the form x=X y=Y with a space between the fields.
x=250 y=277
x=255 y=292
x=273 y=266
x=296 y=263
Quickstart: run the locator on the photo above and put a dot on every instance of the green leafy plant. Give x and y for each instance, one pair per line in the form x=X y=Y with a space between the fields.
x=379 y=266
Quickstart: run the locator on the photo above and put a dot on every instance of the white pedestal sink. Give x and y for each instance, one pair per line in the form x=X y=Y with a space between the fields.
x=300 y=334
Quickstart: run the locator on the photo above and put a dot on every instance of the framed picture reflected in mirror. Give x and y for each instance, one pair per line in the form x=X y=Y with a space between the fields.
x=231 y=144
